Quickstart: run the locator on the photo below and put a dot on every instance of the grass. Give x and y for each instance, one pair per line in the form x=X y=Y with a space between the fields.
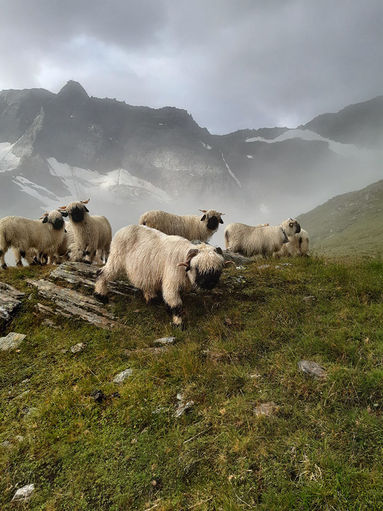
x=321 y=450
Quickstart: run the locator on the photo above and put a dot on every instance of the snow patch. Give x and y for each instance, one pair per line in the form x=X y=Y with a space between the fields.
x=250 y=156
x=8 y=160
x=231 y=172
x=350 y=150
x=206 y=146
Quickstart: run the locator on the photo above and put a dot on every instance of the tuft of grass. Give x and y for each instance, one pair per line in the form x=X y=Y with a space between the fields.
x=321 y=449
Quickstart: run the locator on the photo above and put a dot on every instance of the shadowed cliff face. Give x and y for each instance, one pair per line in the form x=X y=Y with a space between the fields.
x=55 y=148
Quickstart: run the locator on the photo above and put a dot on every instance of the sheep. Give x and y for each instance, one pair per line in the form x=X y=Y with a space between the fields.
x=191 y=227
x=298 y=245
x=27 y=237
x=253 y=240
x=90 y=236
x=155 y=262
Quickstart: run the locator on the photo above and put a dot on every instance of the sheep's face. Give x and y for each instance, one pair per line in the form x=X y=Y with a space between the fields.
x=212 y=219
x=55 y=219
x=291 y=227
x=77 y=211
x=205 y=266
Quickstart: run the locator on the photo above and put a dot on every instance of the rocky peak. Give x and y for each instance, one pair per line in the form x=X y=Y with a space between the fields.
x=72 y=90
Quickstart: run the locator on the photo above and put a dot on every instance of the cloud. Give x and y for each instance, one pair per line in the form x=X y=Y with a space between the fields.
x=231 y=63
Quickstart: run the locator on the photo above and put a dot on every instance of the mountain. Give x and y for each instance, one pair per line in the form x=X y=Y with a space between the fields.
x=55 y=148
x=348 y=224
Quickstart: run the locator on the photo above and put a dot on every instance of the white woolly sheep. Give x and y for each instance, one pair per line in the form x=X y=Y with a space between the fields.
x=27 y=237
x=191 y=227
x=155 y=262
x=253 y=240
x=90 y=236
x=298 y=245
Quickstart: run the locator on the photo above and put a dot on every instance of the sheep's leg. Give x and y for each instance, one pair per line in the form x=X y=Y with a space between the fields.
x=19 y=254
x=2 y=258
x=173 y=300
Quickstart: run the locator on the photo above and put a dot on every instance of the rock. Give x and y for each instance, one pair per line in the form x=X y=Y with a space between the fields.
x=238 y=259
x=24 y=493
x=312 y=368
x=182 y=406
x=263 y=266
x=164 y=341
x=77 y=347
x=266 y=409
x=72 y=303
x=227 y=322
x=85 y=275
x=10 y=301
x=309 y=299
x=120 y=377
x=98 y=396
x=19 y=438
x=11 y=341
x=6 y=444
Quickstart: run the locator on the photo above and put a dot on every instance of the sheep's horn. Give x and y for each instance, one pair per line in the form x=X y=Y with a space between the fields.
x=62 y=207
x=85 y=201
x=203 y=210
x=44 y=215
x=183 y=264
x=227 y=263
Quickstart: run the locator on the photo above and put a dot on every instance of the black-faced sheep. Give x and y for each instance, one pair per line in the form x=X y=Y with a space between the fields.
x=28 y=237
x=191 y=227
x=155 y=262
x=265 y=240
x=90 y=236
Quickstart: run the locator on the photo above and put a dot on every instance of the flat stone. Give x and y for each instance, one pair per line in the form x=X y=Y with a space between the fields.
x=266 y=409
x=10 y=301
x=85 y=275
x=11 y=341
x=72 y=303
x=164 y=341
x=24 y=493
x=309 y=298
x=182 y=406
x=77 y=347
x=236 y=258
x=312 y=368
x=120 y=377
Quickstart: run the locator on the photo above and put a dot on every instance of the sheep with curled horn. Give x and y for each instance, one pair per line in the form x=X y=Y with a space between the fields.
x=29 y=237
x=265 y=240
x=157 y=263
x=90 y=235
x=191 y=227
x=298 y=245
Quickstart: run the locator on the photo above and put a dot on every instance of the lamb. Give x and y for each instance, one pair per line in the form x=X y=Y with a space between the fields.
x=155 y=262
x=27 y=237
x=90 y=235
x=253 y=240
x=298 y=245
x=191 y=227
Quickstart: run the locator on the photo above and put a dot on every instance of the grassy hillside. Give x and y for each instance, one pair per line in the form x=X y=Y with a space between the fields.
x=320 y=449
x=349 y=224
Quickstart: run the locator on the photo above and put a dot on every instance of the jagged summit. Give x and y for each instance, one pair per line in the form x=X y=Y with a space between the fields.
x=73 y=88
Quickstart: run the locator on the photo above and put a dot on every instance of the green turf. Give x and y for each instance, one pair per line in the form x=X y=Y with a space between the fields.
x=322 y=449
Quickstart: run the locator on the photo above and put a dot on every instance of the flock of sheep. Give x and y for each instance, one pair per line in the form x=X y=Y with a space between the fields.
x=164 y=253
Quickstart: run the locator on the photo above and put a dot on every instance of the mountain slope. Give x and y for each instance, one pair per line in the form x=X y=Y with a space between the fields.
x=58 y=147
x=348 y=224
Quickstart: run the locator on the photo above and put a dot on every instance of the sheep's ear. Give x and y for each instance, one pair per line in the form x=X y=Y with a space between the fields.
x=220 y=221
x=86 y=209
x=203 y=218
x=219 y=250
x=45 y=220
x=63 y=213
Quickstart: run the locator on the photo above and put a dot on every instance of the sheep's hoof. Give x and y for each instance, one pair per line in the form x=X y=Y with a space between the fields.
x=4 y=266
x=101 y=298
x=19 y=264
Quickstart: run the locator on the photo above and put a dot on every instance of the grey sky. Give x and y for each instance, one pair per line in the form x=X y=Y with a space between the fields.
x=231 y=63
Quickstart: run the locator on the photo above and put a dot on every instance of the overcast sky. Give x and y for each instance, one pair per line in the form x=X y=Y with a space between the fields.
x=231 y=63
